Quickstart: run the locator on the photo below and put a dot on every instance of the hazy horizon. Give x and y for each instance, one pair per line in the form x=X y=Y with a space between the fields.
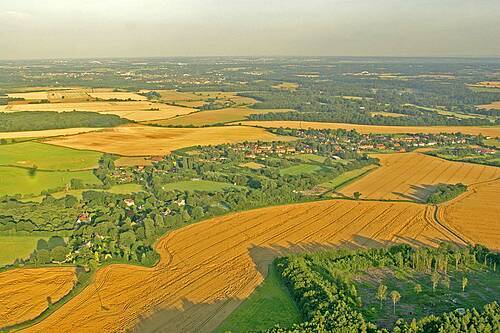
x=32 y=29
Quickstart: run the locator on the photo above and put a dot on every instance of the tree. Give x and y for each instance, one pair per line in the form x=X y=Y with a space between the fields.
x=446 y=281
x=42 y=257
x=356 y=195
x=465 y=281
x=418 y=288
x=59 y=253
x=55 y=241
x=381 y=294
x=435 y=280
x=395 y=296
x=127 y=239
x=32 y=171
x=42 y=244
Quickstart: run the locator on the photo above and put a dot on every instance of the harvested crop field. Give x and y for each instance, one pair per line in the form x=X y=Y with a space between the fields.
x=121 y=95
x=198 y=283
x=413 y=176
x=134 y=110
x=139 y=140
x=494 y=105
x=476 y=214
x=493 y=131
x=46 y=133
x=212 y=117
x=24 y=292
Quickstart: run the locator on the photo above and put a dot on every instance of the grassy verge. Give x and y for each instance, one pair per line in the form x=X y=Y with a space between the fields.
x=268 y=305
x=348 y=177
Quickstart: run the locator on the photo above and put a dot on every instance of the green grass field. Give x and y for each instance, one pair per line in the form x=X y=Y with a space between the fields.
x=492 y=142
x=299 y=169
x=310 y=158
x=15 y=180
x=483 y=287
x=117 y=189
x=268 y=305
x=47 y=157
x=14 y=247
x=347 y=177
x=197 y=185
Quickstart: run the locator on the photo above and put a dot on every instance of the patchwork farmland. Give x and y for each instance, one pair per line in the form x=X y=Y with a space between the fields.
x=154 y=195
x=197 y=284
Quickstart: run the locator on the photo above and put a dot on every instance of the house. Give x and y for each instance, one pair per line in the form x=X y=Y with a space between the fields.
x=129 y=202
x=84 y=218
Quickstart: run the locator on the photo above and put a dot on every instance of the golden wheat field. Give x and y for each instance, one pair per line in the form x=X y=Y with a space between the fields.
x=286 y=86
x=133 y=110
x=203 y=118
x=198 y=283
x=140 y=140
x=121 y=95
x=413 y=176
x=476 y=214
x=494 y=105
x=493 y=131
x=24 y=293
x=47 y=133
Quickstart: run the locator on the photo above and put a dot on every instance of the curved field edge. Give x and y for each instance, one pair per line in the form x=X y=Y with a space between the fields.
x=232 y=265
x=271 y=303
x=84 y=279
x=59 y=304
x=474 y=213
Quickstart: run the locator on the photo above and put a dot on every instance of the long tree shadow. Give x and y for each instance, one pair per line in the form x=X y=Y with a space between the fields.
x=419 y=193
x=192 y=316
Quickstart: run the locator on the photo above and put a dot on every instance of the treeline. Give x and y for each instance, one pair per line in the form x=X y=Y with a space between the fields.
x=446 y=192
x=314 y=106
x=43 y=120
x=321 y=285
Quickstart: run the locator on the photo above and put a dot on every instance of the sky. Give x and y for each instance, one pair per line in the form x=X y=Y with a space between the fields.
x=36 y=29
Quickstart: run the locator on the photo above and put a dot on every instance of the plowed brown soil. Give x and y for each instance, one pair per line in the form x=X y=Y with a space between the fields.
x=24 y=292
x=208 y=268
x=476 y=214
x=413 y=176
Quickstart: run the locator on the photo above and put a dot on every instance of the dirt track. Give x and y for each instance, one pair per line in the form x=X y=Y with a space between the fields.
x=209 y=267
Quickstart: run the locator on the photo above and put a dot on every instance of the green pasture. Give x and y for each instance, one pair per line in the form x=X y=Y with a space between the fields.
x=268 y=305
x=197 y=185
x=347 y=177
x=47 y=157
x=300 y=169
x=116 y=189
x=15 y=180
x=16 y=247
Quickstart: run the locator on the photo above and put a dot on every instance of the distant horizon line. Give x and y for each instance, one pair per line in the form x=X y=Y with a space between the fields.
x=493 y=57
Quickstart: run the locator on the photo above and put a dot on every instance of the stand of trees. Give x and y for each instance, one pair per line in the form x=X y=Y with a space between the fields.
x=324 y=107
x=445 y=192
x=321 y=286
x=43 y=120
